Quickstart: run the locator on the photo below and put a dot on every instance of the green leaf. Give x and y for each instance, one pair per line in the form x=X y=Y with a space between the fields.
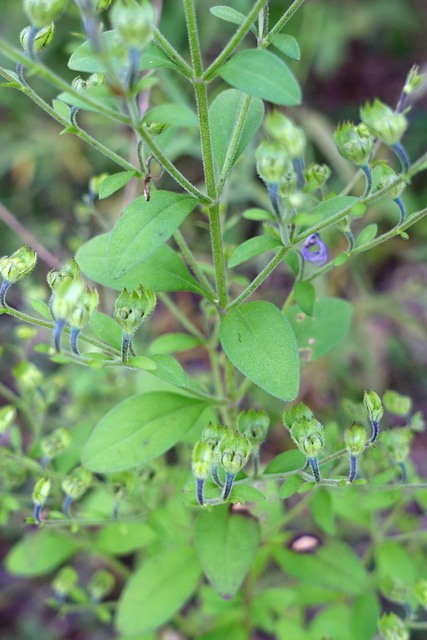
x=252 y=247
x=262 y=74
x=333 y=206
x=226 y=542
x=122 y=538
x=230 y=15
x=178 y=115
x=162 y=271
x=223 y=114
x=107 y=329
x=393 y=559
x=366 y=235
x=261 y=344
x=245 y=493
x=169 y=369
x=332 y=622
x=286 y=44
x=322 y=510
x=39 y=553
x=290 y=486
x=143 y=227
x=258 y=214
x=305 y=296
x=139 y=429
x=320 y=333
x=42 y=308
x=286 y=461
x=62 y=109
x=174 y=342
x=141 y=362
x=334 y=565
x=341 y=259
x=157 y=590
x=113 y=183
x=365 y=612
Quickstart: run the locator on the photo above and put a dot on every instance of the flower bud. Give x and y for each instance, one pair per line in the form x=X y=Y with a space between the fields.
x=420 y=591
x=202 y=459
x=213 y=434
x=272 y=162
x=7 y=416
x=413 y=80
x=78 y=84
x=290 y=137
x=84 y=308
x=67 y=296
x=296 y=413
x=397 y=444
x=395 y=590
x=42 y=12
x=41 y=491
x=254 y=425
x=76 y=484
x=316 y=176
x=391 y=627
x=131 y=309
x=234 y=452
x=354 y=142
x=373 y=405
x=355 y=438
x=64 y=581
x=69 y=271
x=55 y=444
x=288 y=184
x=134 y=23
x=41 y=39
x=384 y=176
x=95 y=80
x=18 y=265
x=100 y=585
x=154 y=128
x=308 y=435
x=383 y=122
x=29 y=377
x=396 y=403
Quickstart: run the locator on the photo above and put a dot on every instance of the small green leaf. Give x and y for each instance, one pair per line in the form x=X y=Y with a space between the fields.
x=169 y=369
x=307 y=486
x=157 y=590
x=306 y=219
x=305 y=296
x=322 y=510
x=122 y=538
x=286 y=461
x=252 y=247
x=230 y=15
x=62 y=109
x=223 y=115
x=39 y=553
x=107 y=329
x=260 y=343
x=173 y=343
x=262 y=74
x=258 y=214
x=141 y=362
x=358 y=210
x=41 y=308
x=113 y=183
x=332 y=206
x=178 y=115
x=245 y=493
x=290 y=486
x=366 y=235
x=226 y=542
x=286 y=44
x=143 y=227
x=341 y=259
x=150 y=424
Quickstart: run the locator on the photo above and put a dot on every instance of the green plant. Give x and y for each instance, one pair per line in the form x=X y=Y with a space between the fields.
x=130 y=493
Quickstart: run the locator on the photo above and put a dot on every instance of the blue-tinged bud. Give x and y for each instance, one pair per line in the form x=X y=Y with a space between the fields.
x=354 y=142
x=234 y=452
x=383 y=122
x=84 y=309
x=308 y=435
x=18 y=265
x=74 y=486
x=282 y=129
x=40 y=495
x=202 y=459
x=391 y=627
x=41 y=39
x=134 y=23
x=355 y=439
x=100 y=585
x=42 y=12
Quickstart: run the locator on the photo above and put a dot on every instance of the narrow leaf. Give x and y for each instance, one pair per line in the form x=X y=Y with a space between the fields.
x=228 y=14
x=286 y=44
x=252 y=247
x=176 y=114
x=333 y=206
x=305 y=296
x=113 y=183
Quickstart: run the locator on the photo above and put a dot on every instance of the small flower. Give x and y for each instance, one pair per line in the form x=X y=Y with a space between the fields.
x=355 y=438
x=316 y=176
x=18 y=265
x=383 y=122
x=314 y=250
x=132 y=308
x=413 y=80
x=354 y=142
x=202 y=459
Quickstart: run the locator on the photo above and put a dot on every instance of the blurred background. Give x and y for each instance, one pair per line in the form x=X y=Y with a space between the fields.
x=351 y=52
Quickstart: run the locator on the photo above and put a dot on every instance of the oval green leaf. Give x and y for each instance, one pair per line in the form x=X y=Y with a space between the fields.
x=143 y=227
x=39 y=553
x=226 y=542
x=260 y=342
x=331 y=207
x=139 y=429
x=178 y=115
x=286 y=44
x=251 y=248
x=262 y=74
x=113 y=183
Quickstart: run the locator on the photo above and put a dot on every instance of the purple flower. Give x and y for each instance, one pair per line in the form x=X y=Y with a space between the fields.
x=314 y=250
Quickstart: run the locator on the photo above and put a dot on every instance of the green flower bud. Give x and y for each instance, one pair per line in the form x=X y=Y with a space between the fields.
x=41 y=491
x=373 y=405
x=397 y=444
x=84 y=308
x=395 y=590
x=308 y=435
x=316 y=176
x=254 y=425
x=100 y=585
x=7 y=416
x=134 y=23
x=396 y=403
x=41 y=39
x=28 y=376
x=354 y=142
x=383 y=122
x=213 y=434
x=384 y=176
x=391 y=627
x=154 y=128
x=67 y=296
x=296 y=413
x=290 y=137
x=234 y=452
x=420 y=591
x=288 y=184
x=132 y=309
x=272 y=162
x=69 y=271
x=55 y=444
x=42 y=12
x=202 y=459
x=413 y=80
x=64 y=581
x=78 y=84
x=18 y=265
x=76 y=484
x=95 y=80
x=355 y=438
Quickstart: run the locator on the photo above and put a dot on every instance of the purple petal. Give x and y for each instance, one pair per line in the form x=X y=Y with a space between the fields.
x=314 y=250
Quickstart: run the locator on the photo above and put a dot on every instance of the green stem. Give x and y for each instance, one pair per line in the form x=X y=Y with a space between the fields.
x=234 y=142
x=192 y=261
x=231 y=393
x=235 y=40
x=186 y=323
x=286 y=17
x=172 y=54
x=193 y=38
